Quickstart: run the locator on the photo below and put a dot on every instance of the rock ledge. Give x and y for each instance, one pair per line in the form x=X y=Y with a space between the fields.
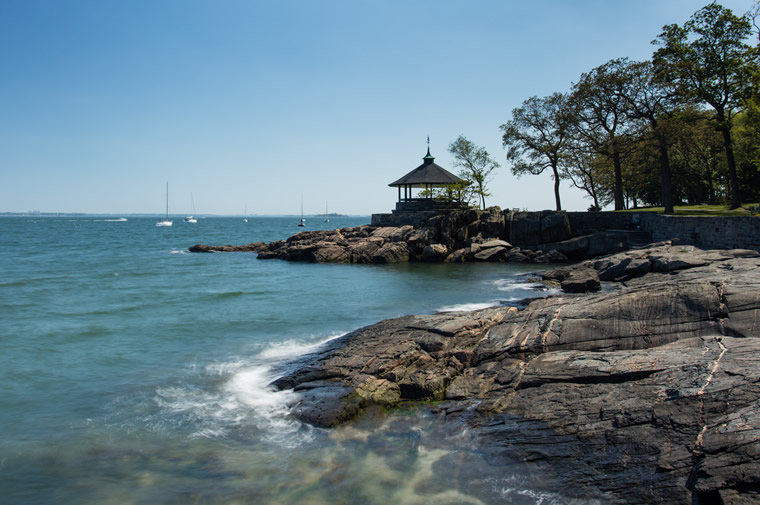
x=645 y=393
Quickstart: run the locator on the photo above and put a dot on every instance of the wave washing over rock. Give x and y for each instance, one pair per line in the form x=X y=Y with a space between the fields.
x=648 y=392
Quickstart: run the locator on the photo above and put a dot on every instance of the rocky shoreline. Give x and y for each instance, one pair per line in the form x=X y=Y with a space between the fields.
x=472 y=235
x=646 y=392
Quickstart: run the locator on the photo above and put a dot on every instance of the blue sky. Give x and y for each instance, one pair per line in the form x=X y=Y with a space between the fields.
x=251 y=104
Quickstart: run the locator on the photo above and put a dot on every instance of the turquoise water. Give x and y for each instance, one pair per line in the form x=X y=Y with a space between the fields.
x=134 y=372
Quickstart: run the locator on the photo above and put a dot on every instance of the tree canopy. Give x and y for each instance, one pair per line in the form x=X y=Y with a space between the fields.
x=476 y=165
x=538 y=137
x=682 y=127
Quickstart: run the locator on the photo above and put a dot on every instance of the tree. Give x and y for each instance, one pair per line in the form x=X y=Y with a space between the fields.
x=602 y=123
x=538 y=137
x=698 y=162
x=649 y=100
x=708 y=59
x=590 y=173
x=477 y=166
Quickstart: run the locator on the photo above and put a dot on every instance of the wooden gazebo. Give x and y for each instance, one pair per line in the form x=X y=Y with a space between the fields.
x=428 y=175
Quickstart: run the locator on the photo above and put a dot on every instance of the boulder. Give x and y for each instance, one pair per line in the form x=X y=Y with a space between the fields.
x=495 y=243
x=331 y=253
x=393 y=234
x=490 y=254
x=393 y=252
x=435 y=252
x=492 y=223
x=517 y=256
x=584 y=280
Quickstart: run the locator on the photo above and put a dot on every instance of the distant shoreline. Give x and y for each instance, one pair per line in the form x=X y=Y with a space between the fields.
x=176 y=215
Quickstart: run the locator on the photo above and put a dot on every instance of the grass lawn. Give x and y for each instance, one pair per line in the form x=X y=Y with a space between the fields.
x=703 y=210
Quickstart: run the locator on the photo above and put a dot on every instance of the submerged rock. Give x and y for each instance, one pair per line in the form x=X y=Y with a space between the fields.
x=649 y=393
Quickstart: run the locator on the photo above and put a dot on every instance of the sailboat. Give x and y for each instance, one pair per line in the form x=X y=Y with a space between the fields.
x=245 y=214
x=302 y=222
x=327 y=219
x=190 y=218
x=166 y=221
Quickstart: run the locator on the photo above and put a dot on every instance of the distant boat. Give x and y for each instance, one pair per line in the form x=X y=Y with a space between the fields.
x=302 y=222
x=191 y=219
x=166 y=221
x=327 y=219
x=245 y=214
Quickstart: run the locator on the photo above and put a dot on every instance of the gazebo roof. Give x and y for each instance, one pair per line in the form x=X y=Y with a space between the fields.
x=428 y=173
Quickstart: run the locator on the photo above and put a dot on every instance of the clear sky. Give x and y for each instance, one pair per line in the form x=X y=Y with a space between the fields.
x=251 y=104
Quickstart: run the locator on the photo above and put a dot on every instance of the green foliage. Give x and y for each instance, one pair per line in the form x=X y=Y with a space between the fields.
x=709 y=60
x=538 y=137
x=476 y=165
x=681 y=128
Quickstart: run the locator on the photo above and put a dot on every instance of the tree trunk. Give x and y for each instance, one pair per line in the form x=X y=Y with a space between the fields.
x=619 y=200
x=665 y=179
x=733 y=180
x=556 y=187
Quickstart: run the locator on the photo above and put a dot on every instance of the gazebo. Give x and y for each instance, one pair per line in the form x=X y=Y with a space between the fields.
x=415 y=211
x=429 y=175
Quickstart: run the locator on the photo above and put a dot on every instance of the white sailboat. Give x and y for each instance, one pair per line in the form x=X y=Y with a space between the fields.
x=166 y=221
x=191 y=219
x=327 y=219
x=302 y=222
x=245 y=214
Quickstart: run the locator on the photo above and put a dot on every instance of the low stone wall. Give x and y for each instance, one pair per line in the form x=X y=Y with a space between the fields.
x=710 y=232
x=714 y=232
x=585 y=223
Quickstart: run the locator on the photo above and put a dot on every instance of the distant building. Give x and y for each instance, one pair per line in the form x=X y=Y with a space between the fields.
x=417 y=208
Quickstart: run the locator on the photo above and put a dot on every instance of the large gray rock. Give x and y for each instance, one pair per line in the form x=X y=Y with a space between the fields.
x=583 y=280
x=435 y=253
x=648 y=393
x=393 y=252
x=492 y=223
x=491 y=253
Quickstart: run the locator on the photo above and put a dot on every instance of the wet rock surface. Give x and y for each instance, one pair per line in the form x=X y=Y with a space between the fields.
x=646 y=392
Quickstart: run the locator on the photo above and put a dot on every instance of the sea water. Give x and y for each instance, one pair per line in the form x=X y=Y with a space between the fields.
x=135 y=372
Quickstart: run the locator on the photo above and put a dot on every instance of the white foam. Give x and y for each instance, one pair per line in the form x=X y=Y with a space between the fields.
x=514 y=284
x=289 y=349
x=244 y=398
x=469 y=307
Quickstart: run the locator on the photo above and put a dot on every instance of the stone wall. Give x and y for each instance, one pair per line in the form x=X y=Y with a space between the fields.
x=585 y=223
x=527 y=229
x=712 y=232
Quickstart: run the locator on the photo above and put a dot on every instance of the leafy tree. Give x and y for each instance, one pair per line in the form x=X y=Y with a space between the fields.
x=591 y=174
x=538 y=137
x=708 y=59
x=649 y=100
x=601 y=120
x=477 y=166
x=698 y=162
